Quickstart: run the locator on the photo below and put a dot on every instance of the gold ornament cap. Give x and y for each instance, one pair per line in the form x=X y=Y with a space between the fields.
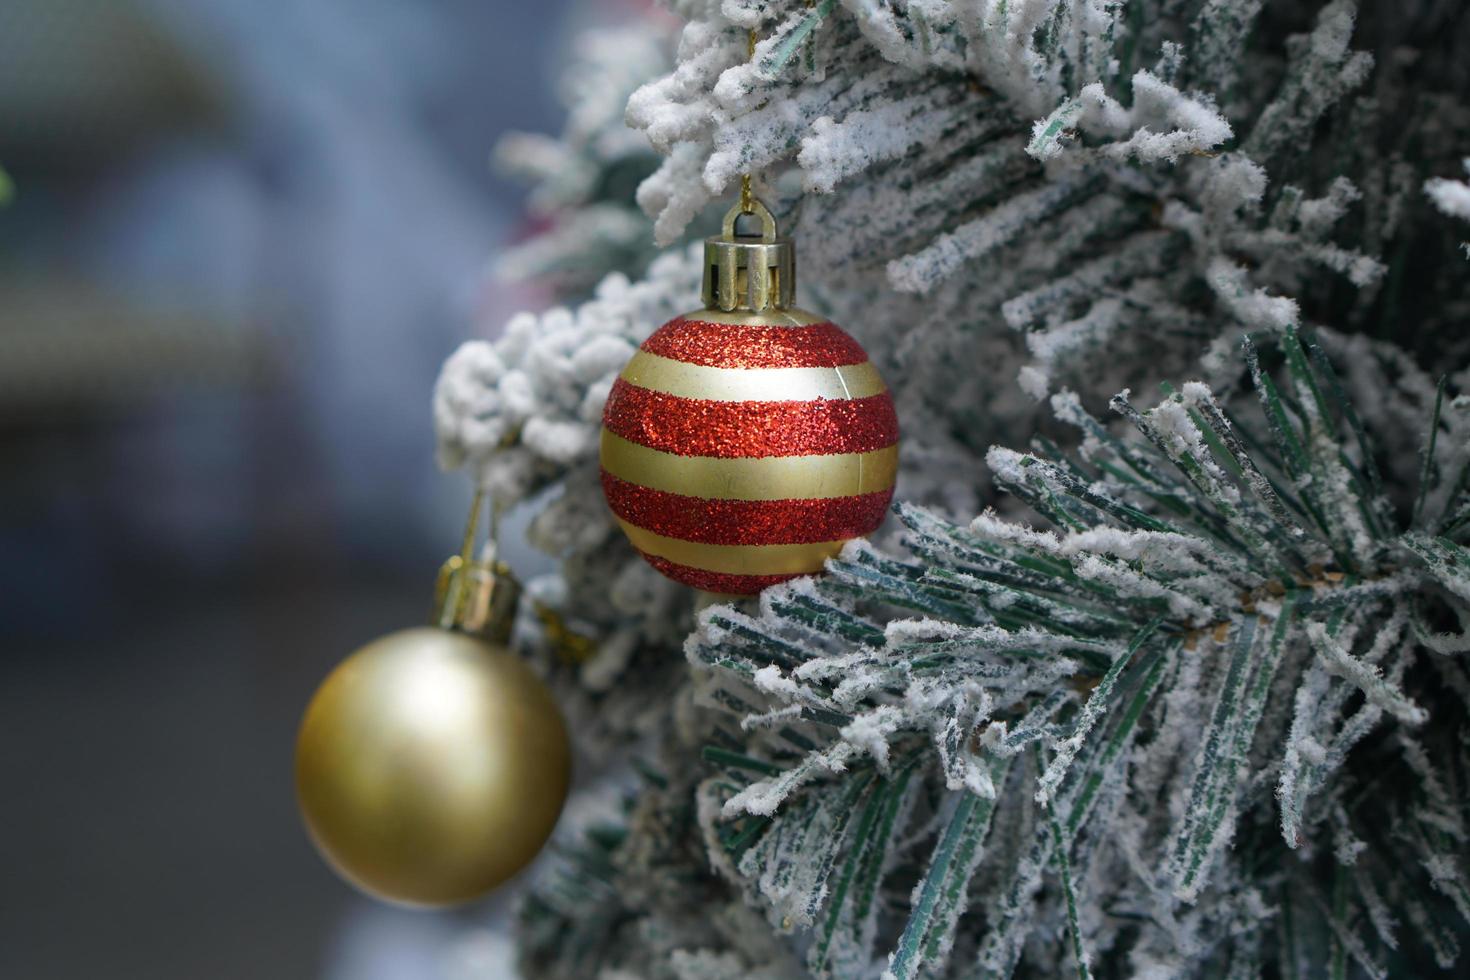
x=477 y=595
x=749 y=272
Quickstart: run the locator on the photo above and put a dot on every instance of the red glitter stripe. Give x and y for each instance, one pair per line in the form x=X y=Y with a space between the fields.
x=746 y=521
x=739 y=345
x=702 y=427
x=716 y=581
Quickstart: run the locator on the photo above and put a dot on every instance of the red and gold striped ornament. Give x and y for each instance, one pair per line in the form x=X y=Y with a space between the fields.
x=746 y=443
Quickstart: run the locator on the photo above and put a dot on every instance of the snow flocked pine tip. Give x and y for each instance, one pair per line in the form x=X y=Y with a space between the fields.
x=1147 y=718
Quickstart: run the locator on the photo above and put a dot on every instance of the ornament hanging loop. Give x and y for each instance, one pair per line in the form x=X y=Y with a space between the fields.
x=477 y=594
x=753 y=208
x=749 y=273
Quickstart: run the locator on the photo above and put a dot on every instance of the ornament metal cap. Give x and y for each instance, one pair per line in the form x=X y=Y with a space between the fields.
x=477 y=595
x=749 y=272
x=480 y=595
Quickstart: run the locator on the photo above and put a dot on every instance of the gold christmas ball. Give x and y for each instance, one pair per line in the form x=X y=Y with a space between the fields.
x=431 y=767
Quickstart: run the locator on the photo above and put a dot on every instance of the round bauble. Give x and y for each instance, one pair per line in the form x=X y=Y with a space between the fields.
x=744 y=447
x=431 y=767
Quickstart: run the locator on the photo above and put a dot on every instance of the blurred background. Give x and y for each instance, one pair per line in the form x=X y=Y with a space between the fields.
x=241 y=236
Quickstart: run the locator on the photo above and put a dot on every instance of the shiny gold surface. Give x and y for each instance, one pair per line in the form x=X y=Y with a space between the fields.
x=771 y=478
x=478 y=596
x=431 y=767
x=686 y=380
x=734 y=559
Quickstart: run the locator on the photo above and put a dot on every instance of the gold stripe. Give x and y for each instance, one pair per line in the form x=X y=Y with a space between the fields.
x=734 y=559
x=768 y=478
x=801 y=384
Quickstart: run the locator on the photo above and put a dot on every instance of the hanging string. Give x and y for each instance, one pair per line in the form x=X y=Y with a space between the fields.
x=453 y=592
x=467 y=548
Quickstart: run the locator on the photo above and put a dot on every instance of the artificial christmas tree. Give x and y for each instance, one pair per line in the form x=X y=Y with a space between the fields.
x=1166 y=691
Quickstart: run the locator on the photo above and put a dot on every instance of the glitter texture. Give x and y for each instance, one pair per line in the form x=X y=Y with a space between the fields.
x=699 y=427
x=746 y=486
x=742 y=345
x=746 y=521
x=720 y=582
